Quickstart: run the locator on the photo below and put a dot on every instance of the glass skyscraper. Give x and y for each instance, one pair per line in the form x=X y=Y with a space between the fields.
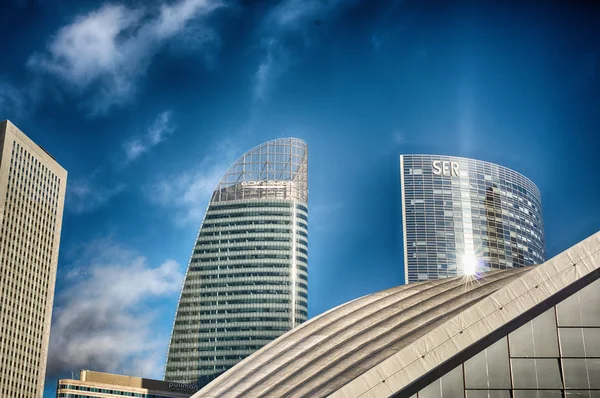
x=246 y=283
x=465 y=216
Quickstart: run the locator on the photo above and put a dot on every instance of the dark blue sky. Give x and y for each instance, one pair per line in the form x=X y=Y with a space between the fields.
x=147 y=103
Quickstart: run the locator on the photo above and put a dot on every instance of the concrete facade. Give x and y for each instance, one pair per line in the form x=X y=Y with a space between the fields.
x=32 y=194
x=104 y=385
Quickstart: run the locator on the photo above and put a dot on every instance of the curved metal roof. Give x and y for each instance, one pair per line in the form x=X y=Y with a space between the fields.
x=326 y=352
x=276 y=169
x=379 y=344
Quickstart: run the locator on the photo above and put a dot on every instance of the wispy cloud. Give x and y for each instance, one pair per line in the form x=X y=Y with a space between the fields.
x=109 y=48
x=104 y=317
x=157 y=132
x=187 y=193
x=84 y=196
x=276 y=59
x=11 y=99
x=290 y=19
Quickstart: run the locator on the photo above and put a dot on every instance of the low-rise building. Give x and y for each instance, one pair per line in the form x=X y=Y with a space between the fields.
x=104 y=385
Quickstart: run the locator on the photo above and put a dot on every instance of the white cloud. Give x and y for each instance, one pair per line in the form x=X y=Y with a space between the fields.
x=83 y=196
x=288 y=18
x=104 y=317
x=111 y=47
x=160 y=128
x=187 y=193
x=157 y=133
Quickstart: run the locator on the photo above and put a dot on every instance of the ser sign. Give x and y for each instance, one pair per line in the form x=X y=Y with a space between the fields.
x=446 y=168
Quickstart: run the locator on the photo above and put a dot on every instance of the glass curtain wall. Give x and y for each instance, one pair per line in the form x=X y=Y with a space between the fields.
x=465 y=216
x=247 y=281
x=555 y=355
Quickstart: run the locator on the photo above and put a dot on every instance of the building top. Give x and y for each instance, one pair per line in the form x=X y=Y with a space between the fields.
x=276 y=169
x=527 y=181
x=382 y=344
x=130 y=384
x=8 y=126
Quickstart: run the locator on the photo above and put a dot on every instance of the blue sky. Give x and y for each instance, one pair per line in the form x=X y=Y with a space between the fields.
x=147 y=103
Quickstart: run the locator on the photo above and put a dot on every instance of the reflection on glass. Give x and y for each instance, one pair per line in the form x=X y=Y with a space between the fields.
x=536 y=373
x=489 y=368
x=449 y=386
x=576 y=374
x=538 y=394
x=536 y=338
x=568 y=311
x=488 y=394
x=582 y=308
x=572 y=342
x=578 y=394
x=589 y=297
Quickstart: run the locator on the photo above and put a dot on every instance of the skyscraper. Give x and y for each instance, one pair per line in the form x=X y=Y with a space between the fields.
x=32 y=194
x=246 y=282
x=464 y=216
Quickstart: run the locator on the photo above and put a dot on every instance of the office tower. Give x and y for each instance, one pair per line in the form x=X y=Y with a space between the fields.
x=32 y=195
x=463 y=216
x=246 y=283
x=107 y=385
x=514 y=333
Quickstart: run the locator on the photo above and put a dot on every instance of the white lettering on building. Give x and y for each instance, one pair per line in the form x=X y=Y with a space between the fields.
x=266 y=184
x=446 y=168
x=182 y=386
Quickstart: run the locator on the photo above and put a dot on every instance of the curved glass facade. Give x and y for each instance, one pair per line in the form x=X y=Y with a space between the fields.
x=247 y=279
x=465 y=216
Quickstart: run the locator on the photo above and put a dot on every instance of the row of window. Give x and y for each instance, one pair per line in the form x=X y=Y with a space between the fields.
x=276 y=238
x=244 y=266
x=244 y=275
x=190 y=302
x=285 y=282
x=248 y=257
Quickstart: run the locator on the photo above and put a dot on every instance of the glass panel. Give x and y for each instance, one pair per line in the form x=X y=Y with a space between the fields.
x=575 y=372
x=536 y=373
x=578 y=394
x=580 y=342
x=568 y=311
x=488 y=394
x=571 y=342
x=449 y=386
x=489 y=368
x=589 y=298
x=571 y=313
x=582 y=373
x=536 y=338
x=538 y=394
x=593 y=366
x=591 y=338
